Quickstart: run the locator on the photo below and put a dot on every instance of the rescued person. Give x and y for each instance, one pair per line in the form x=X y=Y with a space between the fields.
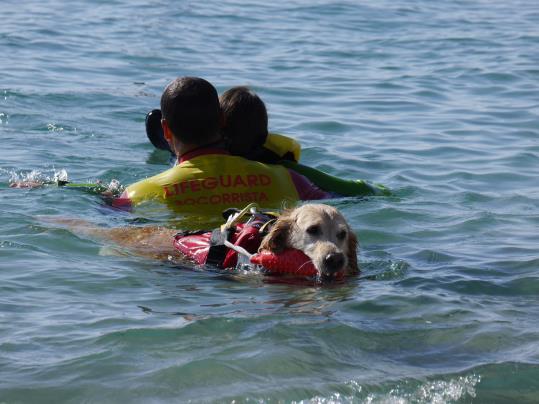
x=245 y=131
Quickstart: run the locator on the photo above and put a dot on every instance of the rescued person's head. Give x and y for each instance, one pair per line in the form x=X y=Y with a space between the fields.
x=190 y=108
x=245 y=120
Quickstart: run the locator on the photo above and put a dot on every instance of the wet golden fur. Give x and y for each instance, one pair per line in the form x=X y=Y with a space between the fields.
x=293 y=229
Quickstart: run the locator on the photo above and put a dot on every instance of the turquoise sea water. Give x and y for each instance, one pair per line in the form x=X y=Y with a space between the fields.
x=437 y=100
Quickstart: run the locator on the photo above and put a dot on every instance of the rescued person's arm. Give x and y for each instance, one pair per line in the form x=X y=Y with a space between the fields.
x=308 y=191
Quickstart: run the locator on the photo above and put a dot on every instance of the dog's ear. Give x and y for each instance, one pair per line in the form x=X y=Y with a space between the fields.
x=352 y=253
x=277 y=238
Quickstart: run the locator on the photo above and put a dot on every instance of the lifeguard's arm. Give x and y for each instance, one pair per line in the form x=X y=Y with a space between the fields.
x=144 y=190
x=94 y=188
x=26 y=184
x=121 y=202
x=337 y=185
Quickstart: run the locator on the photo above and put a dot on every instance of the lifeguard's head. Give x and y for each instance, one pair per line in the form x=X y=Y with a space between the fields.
x=191 y=112
x=245 y=120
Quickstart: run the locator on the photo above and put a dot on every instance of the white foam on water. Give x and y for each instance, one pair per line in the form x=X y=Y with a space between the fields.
x=40 y=176
x=61 y=175
x=432 y=392
x=54 y=128
x=437 y=392
x=115 y=186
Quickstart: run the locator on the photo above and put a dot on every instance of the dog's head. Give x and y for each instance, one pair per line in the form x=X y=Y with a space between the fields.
x=321 y=232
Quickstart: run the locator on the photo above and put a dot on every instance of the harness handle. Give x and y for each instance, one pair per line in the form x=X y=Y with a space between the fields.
x=236 y=217
x=238 y=249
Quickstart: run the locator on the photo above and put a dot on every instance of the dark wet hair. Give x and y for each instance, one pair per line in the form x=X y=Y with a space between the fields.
x=190 y=105
x=245 y=127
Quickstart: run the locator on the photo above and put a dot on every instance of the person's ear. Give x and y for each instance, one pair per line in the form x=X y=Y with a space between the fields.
x=167 y=133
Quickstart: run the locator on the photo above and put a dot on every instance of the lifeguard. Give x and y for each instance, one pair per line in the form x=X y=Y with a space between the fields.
x=207 y=178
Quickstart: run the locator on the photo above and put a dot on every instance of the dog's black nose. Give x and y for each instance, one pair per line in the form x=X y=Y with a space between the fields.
x=334 y=262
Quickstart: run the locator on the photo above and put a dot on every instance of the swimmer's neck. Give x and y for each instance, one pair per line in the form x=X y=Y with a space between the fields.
x=181 y=148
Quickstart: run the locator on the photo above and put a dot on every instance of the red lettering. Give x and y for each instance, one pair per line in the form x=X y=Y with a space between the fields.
x=183 y=186
x=264 y=179
x=239 y=181
x=222 y=182
x=209 y=183
x=252 y=180
x=195 y=185
x=224 y=199
x=168 y=194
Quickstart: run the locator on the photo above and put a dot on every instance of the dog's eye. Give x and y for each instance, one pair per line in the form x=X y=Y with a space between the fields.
x=313 y=230
x=341 y=235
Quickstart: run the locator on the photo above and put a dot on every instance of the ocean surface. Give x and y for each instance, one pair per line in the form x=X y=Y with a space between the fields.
x=439 y=101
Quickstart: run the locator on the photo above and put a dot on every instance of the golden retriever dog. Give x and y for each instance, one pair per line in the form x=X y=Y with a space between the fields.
x=320 y=231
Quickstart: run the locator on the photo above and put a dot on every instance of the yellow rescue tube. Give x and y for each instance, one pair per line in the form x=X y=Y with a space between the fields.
x=285 y=147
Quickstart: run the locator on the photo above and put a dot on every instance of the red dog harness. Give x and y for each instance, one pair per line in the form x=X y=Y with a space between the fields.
x=221 y=247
